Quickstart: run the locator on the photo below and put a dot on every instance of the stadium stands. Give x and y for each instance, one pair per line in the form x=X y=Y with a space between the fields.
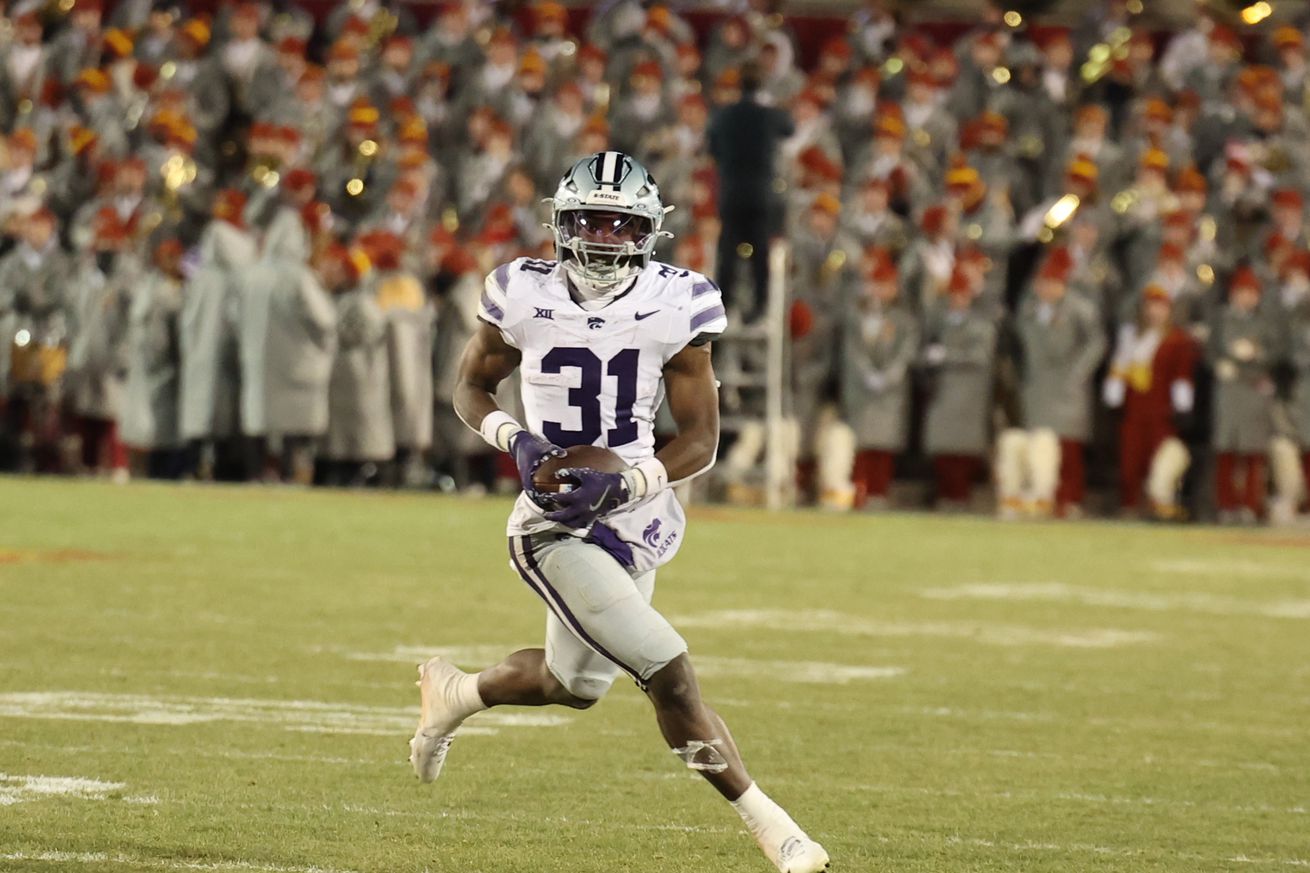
x=1047 y=267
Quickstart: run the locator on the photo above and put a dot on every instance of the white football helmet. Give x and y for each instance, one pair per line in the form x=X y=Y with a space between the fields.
x=607 y=215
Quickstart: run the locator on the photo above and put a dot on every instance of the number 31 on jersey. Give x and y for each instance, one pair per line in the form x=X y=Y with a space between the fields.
x=586 y=396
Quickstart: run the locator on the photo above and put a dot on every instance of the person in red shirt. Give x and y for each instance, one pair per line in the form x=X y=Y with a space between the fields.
x=1151 y=380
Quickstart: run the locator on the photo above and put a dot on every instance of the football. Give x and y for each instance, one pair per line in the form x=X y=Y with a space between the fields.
x=594 y=457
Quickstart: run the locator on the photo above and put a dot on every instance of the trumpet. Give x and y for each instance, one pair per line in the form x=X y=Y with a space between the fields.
x=1101 y=57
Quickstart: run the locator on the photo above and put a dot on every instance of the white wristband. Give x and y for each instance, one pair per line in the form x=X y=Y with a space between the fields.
x=646 y=478
x=498 y=428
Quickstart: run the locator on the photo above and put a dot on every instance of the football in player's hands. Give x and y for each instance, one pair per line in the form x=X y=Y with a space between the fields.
x=597 y=458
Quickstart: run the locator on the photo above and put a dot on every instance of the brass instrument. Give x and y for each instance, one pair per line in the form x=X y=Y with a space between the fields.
x=1102 y=56
x=176 y=173
x=382 y=26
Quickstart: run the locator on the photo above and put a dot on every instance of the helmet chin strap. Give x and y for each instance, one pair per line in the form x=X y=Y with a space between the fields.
x=590 y=296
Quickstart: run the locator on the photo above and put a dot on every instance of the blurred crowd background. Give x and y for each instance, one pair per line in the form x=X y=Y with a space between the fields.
x=1037 y=266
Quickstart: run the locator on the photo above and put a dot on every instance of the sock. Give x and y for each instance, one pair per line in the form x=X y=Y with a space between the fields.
x=466 y=694
x=767 y=821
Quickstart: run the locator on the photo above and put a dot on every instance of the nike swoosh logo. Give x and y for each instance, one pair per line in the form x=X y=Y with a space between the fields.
x=599 y=501
x=641 y=315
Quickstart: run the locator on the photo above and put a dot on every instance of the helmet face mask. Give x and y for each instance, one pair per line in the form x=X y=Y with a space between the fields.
x=607 y=217
x=605 y=245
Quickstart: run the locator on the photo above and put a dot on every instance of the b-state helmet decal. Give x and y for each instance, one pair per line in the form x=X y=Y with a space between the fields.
x=610 y=168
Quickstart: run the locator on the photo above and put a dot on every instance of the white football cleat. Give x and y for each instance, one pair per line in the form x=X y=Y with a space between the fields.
x=439 y=717
x=800 y=854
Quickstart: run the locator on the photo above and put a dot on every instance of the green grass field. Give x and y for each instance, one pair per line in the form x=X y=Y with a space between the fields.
x=222 y=679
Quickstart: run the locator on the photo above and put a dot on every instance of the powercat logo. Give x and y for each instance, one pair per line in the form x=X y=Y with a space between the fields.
x=651 y=536
x=652 y=533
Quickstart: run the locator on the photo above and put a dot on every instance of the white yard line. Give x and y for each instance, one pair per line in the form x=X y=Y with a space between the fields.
x=24 y=788
x=1173 y=601
x=1225 y=568
x=100 y=859
x=292 y=715
x=845 y=624
x=227 y=754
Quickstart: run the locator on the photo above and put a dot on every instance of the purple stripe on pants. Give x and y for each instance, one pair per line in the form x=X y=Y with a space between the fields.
x=537 y=580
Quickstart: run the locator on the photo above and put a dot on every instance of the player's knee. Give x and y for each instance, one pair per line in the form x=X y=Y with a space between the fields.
x=674 y=686
x=586 y=691
x=576 y=690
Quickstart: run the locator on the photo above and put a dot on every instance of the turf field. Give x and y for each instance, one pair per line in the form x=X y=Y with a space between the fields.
x=222 y=679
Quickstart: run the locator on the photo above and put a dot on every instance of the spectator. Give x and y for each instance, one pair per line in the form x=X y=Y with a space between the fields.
x=33 y=277
x=1299 y=409
x=1062 y=342
x=299 y=350
x=959 y=353
x=1242 y=351
x=409 y=339
x=1165 y=173
x=211 y=369
x=880 y=344
x=99 y=296
x=1150 y=379
x=744 y=140
x=149 y=418
x=360 y=434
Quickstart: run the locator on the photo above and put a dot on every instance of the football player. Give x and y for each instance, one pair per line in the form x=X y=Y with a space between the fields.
x=601 y=336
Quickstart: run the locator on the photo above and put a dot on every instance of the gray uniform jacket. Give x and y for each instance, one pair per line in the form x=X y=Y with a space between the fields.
x=211 y=370
x=149 y=416
x=359 y=398
x=1060 y=356
x=286 y=248
x=97 y=351
x=823 y=273
x=32 y=286
x=302 y=341
x=409 y=355
x=252 y=289
x=878 y=350
x=1243 y=349
x=457 y=321
x=1300 y=356
x=960 y=404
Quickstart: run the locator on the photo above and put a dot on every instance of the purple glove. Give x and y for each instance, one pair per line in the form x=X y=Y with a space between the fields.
x=529 y=453
x=594 y=494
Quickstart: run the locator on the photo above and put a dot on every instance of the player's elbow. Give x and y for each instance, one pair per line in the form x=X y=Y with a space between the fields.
x=702 y=446
x=471 y=402
x=707 y=447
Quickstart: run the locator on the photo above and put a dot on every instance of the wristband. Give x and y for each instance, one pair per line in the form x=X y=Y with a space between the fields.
x=498 y=428
x=646 y=478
